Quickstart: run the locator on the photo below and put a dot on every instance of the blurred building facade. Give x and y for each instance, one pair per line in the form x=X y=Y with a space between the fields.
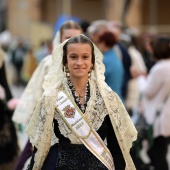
x=35 y=18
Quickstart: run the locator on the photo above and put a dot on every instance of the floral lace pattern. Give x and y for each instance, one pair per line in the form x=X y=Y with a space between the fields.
x=95 y=114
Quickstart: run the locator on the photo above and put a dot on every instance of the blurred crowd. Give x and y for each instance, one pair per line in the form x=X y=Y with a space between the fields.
x=136 y=66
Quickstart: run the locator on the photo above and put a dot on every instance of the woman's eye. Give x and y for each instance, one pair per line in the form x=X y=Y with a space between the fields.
x=86 y=57
x=73 y=56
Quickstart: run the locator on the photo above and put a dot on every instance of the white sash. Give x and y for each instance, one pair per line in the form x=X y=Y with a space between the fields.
x=77 y=123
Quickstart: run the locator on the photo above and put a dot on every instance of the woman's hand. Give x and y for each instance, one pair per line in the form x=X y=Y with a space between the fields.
x=12 y=103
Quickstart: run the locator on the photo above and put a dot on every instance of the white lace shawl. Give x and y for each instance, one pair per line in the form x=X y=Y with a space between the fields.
x=32 y=93
x=41 y=124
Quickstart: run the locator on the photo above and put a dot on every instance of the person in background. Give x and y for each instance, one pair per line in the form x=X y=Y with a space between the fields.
x=156 y=101
x=122 y=51
x=9 y=149
x=114 y=73
x=17 y=58
x=83 y=112
x=133 y=99
x=146 y=50
x=138 y=67
x=84 y=25
x=29 y=66
x=95 y=30
x=42 y=51
x=33 y=90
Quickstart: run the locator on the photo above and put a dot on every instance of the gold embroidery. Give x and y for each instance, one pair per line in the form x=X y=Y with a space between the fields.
x=69 y=111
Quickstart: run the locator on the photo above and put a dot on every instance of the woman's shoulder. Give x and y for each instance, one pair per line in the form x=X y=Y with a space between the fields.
x=161 y=66
x=47 y=61
x=51 y=91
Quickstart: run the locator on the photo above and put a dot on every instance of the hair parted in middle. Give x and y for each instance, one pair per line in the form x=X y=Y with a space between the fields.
x=78 y=39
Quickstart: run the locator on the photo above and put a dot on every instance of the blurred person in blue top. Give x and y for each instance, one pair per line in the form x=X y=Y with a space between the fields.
x=122 y=51
x=114 y=68
x=95 y=30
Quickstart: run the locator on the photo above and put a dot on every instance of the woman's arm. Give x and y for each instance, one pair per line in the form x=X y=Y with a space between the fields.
x=152 y=83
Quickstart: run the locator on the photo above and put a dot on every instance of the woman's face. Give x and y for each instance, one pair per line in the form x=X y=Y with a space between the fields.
x=68 y=33
x=79 y=60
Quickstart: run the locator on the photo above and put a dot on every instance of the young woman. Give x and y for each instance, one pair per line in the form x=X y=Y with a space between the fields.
x=92 y=127
x=33 y=90
x=156 y=101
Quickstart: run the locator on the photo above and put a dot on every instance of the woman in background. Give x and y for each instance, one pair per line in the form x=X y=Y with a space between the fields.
x=114 y=73
x=156 y=101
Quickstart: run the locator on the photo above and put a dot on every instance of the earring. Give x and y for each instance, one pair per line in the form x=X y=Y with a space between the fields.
x=67 y=72
x=89 y=73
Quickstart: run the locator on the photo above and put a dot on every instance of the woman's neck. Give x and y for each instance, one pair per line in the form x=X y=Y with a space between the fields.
x=79 y=83
x=80 y=88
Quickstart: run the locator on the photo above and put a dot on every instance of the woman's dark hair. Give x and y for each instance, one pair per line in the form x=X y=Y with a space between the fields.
x=161 y=47
x=77 y=39
x=69 y=25
x=108 y=38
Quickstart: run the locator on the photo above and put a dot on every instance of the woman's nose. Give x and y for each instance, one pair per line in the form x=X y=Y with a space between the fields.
x=79 y=61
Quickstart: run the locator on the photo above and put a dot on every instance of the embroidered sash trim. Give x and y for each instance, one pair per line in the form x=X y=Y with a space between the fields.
x=76 y=121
